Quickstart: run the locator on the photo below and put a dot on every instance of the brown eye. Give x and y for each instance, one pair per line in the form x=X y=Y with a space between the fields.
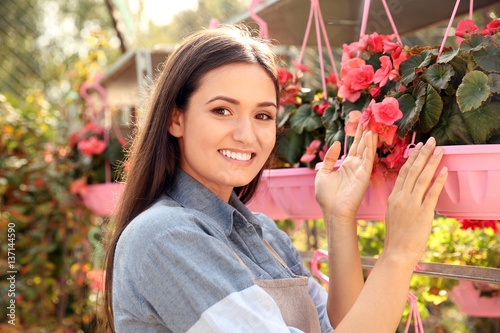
x=264 y=116
x=222 y=111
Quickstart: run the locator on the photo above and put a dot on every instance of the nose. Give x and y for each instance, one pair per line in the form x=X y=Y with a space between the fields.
x=244 y=131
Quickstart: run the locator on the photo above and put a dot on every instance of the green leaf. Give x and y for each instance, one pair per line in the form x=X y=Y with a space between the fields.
x=284 y=114
x=411 y=110
x=432 y=109
x=409 y=66
x=488 y=58
x=494 y=82
x=290 y=147
x=473 y=91
x=439 y=75
x=447 y=56
x=331 y=114
x=305 y=118
x=495 y=139
x=335 y=133
x=451 y=129
x=475 y=43
x=483 y=122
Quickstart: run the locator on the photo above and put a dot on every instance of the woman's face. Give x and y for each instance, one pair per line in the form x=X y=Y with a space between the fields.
x=228 y=130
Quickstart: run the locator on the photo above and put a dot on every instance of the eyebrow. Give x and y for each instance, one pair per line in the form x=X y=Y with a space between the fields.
x=236 y=102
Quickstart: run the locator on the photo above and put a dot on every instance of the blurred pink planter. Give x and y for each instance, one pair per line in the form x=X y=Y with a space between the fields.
x=263 y=201
x=467 y=299
x=293 y=191
x=102 y=199
x=472 y=189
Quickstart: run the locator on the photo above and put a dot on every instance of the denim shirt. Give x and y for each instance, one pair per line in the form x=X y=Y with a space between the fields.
x=175 y=268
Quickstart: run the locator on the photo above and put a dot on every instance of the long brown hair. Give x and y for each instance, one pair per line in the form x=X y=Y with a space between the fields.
x=154 y=155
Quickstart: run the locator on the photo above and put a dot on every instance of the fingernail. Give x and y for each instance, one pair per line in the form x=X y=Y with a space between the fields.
x=438 y=151
x=444 y=171
x=418 y=146
x=430 y=142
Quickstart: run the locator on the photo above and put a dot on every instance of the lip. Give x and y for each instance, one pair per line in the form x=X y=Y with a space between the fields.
x=238 y=162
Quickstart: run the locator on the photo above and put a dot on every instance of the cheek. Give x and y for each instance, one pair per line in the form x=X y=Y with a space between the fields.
x=267 y=137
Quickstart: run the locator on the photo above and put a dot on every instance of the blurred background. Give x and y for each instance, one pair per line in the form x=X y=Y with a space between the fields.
x=74 y=81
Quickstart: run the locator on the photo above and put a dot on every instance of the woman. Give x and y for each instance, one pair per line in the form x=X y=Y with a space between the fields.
x=185 y=253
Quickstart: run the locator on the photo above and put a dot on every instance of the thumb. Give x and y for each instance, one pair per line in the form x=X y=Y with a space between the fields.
x=331 y=158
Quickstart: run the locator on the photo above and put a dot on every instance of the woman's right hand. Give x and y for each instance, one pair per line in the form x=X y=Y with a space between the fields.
x=411 y=205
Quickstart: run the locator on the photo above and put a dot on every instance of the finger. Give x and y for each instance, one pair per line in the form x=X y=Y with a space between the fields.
x=403 y=172
x=362 y=145
x=432 y=196
x=354 y=147
x=331 y=158
x=425 y=178
x=419 y=164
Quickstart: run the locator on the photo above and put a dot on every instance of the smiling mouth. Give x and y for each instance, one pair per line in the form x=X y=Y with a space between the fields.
x=237 y=156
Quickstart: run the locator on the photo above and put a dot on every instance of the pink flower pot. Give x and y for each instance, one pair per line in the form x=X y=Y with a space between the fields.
x=263 y=201
x=467 y=299
x=472 y=190
x=102 y=199
x=293 y=191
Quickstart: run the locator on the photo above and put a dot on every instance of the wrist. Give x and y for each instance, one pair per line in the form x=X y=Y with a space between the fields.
x=398 y=260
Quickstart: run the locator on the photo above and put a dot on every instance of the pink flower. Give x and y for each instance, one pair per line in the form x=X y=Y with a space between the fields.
x=375 y=91
x=310 y=151
x=398 y=58
x=361 y=78
x=387 y=112
x=491 y=28
x=390 y=46
x=385 y=132
x=346 y=92
x=481 y=224
x=352 y=125
x=465 y=27
x=301 y=67
x=367 y=115
x=351 y=64
x=395 y=159
x=376 y=42
x=91 y=146
x=284 y=76
x=288 y=100
x=382 y=74
x=320 y=108
x=347 y=53
x=322 y=153
x=78 y=186
x=332 y=79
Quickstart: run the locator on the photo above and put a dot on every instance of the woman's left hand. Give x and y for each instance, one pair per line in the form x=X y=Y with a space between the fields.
x=339 y=193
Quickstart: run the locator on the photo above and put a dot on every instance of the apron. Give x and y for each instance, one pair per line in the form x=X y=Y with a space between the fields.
x=292 y=297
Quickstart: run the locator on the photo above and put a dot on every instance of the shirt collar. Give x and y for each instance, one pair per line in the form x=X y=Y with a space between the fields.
x=189 y=193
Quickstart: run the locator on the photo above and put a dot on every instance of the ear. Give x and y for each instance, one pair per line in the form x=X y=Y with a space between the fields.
x=176 y=126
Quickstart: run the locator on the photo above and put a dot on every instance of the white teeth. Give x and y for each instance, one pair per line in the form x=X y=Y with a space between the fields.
x=236 y=156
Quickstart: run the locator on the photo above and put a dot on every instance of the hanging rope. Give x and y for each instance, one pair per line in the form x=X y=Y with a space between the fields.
x=315 y=12
x=263 y=31
x=448 y=29
x=364 y=21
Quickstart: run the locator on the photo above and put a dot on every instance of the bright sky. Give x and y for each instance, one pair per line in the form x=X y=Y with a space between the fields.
x=162 y=11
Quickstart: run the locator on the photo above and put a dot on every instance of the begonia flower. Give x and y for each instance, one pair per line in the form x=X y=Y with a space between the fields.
x=346 y=92
x=311 y=150
x=376 y=42
x=387 y=112
x=385 y=132
x=332 y=79
x=390 y=46
x=78 y=186
x=382 y=74
x=361 y=78
x=349 y=65
x=479 y=224
x=465 y=27
x=320 y=108
x=92 y=146
x=301 y=67
x=375 y=91
x=322 y=152
x=284 y=76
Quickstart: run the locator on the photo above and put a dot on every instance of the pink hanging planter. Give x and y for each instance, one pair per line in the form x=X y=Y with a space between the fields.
x=472 y=190
x=293 y=191
x=102 y=199
x=263 y=201
x=466 y=296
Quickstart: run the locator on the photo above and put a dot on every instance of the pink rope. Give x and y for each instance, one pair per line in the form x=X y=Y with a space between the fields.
x=315 y=12
x=448 y=29
x=263 y=32
x=471 y=9
x=388 y=12
x=364 y=21
x=417 y=320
